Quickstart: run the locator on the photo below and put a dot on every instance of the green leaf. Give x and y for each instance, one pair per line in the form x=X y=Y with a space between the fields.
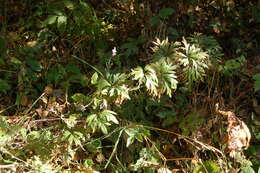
x=88 y=163
x=247 y=170
x=130 y=140
x=257 y=85
x=94 y=145
x=50 y=20
x=138 y=74
x=71 y=121
x=211 y=166
x=112 y=118
x=165 y=113
x=91 y=118
x=94 y=78
x=135 y=133
x=169 y=121
x=257 y=77
x=69 y=4
x=166 y=12
x=61 y=23
x=102 y=84
x=72 y=68
x=56 y=74
x=84 y=6
x=155 y=20
x=79 y=97
x=103 y=129
x=35 y=65
x=4 y=86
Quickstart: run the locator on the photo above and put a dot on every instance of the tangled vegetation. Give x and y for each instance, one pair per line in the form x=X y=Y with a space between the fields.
x=130 y=86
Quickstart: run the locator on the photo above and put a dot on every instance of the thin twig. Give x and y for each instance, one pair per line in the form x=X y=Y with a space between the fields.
x=28 y=110
x=43 y=120
x=13 y=156
x=2 y=111
x=185 y=137
x=115 y=148
x=182 y=158
x=7 y=166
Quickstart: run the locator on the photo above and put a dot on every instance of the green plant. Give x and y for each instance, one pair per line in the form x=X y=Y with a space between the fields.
x=101 y=120
x=112 y=86
x=256 y=77
x=207 y=166
x=41 y=167
x=195 y=62
x=208 y=44
x=4 y=86
x=148 y=160
x=231 y=67
x=163 y=15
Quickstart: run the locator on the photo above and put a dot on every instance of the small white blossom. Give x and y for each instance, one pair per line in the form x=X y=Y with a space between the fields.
x=114 y=51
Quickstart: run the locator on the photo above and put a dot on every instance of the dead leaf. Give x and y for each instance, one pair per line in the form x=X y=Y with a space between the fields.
x=48 y=90
x=39 y=111
x=44 y=100
x=31 y=43
x=239 y=135
x=42 y=113
x=100 y=158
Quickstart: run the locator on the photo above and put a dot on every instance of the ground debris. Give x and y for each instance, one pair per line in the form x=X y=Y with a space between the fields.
x=238 y=133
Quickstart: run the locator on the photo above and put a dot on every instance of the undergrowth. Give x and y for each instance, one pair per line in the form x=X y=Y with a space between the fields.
x=126 y=87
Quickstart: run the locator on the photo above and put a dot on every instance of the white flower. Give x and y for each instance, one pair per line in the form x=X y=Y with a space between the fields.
x=114 y=51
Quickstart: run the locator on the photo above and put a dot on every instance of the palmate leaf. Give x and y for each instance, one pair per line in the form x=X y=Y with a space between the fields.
x=166 y=75
x=136 y=133
x=101 y=120
x=110 y=116
x=164 y=49
x=209 y=44
x=73 y=137
x=119 y=88
x=166 y=12
x=146 y=76
x=151 y=82
x=94 y=78
x=194 y=60
x=112 y=85
x=138 y=74
x=158 y=77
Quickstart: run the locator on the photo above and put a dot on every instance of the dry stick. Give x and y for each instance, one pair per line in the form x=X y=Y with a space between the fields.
x=158 y=129
x=2 y=111
x=14 y=157
x=7 y=166
x=185 y=137
x=188 y=139
x=28 y=110
x=181 y=158
x=160 y=154
x=164 y=158
x=43 y=120
x=114 y=150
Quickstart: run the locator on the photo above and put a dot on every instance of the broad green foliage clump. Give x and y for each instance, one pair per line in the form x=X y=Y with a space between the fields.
x=124 y=86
